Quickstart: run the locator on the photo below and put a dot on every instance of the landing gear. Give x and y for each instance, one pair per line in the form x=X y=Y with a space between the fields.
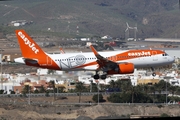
x=153 y=74
x=97 y=76
x=103 y=77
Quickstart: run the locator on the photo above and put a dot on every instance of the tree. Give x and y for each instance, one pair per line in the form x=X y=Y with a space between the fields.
x=126 y=86
x=112 y=83
x=26 y=89
x=52 y=85
x=177 y=91
x=161 y=85
x=42 y=89
x=1 y=91
x=94 y=87
x=61 y=89
x=36 y=91
x=79 y=88
x=172 y=89
x=118 y=83
x=12 y=92
x=146 y=88
x=95 y=98
x=115 y=98
x=152 y=90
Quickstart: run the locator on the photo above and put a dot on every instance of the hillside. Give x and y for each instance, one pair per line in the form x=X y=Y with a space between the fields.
x=44 y=108
x=95 y=18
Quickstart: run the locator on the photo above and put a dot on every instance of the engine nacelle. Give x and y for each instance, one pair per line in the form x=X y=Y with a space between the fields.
x=123 y=68
x=126 y=68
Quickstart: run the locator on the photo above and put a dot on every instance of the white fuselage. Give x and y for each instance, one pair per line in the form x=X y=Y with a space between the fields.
x=83 y=61
x=73 y=60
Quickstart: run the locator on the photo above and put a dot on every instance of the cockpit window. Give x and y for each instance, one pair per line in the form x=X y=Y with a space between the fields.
x=165 y=54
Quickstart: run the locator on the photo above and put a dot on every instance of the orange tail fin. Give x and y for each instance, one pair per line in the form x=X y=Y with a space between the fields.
x=28 y=46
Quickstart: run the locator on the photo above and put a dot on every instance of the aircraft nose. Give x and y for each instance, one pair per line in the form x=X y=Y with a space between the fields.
x=172 y=59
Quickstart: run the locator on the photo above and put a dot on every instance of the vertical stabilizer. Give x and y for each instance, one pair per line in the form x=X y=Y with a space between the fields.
x=28 y=46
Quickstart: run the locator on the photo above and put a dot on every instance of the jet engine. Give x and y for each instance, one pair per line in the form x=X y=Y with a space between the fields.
x=123 y=68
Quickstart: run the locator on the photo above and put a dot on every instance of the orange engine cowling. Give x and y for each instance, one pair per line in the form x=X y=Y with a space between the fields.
x=126 y=68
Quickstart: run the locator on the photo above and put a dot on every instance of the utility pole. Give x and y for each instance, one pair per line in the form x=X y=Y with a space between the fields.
x=29 y=101
x=166 y=91
x=1 y=70
x=98 y=90
x=91 y=86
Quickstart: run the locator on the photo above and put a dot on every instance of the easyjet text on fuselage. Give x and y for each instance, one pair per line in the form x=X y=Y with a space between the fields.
x=143 y=53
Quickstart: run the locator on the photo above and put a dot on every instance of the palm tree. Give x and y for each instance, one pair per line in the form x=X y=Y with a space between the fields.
x=42 y=89
x=135 y=91
x=118 y=83
x=132 y=92
x=112 y=83
x=126 y=86
x=79 y=88
x=26 y=89
x=146 y=88
x=177 y=91
x=52 y=85
x=172 y=89
x=162 y=85
x=152 y=90
x=94 y=87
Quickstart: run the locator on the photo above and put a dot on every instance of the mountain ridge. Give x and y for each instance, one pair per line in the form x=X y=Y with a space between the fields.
x=90 y=18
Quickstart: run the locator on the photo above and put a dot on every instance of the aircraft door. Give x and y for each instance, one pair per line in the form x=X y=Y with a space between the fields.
x=155 y=57
x=114 y=58
x=49 y=60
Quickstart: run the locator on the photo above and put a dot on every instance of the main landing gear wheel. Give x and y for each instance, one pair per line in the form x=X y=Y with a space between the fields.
x=96 y=76
x=103 y=77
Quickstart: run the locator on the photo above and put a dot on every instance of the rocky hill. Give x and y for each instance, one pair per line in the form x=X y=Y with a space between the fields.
x=94 y=18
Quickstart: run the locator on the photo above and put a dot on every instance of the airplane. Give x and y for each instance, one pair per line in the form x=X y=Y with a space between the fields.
x=103 y=63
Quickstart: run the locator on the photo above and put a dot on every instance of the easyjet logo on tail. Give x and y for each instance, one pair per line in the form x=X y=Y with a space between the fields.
x=28 y=43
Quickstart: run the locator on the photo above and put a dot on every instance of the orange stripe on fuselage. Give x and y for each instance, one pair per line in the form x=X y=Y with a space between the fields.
x=130 y=54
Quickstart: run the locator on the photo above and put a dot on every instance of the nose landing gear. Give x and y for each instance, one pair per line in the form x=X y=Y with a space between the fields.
x=153 y=74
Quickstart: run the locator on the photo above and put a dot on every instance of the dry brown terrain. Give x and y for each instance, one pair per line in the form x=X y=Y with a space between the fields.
x=45 y=108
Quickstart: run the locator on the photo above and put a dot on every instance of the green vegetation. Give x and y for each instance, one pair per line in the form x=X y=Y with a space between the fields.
x=127 y=94
x=47 y=94
x=142 y=93
x=164 y=115
x=95 y=98
x=79 y=88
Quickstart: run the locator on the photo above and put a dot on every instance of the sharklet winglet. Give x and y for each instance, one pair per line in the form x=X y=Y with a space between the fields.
x=94 y=50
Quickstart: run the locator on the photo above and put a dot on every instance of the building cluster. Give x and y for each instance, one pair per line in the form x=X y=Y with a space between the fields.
x=67 y=80
x=18 y=23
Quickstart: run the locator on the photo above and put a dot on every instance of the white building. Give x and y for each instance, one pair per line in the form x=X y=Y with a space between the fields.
x=41 y=71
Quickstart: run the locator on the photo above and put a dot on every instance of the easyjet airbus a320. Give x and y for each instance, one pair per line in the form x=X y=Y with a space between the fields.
x=112 y=62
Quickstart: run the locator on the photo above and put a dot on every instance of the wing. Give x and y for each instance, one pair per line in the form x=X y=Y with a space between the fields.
x=104 y=63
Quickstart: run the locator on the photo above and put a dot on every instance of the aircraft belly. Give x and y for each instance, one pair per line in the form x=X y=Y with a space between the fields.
x=150 y=62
